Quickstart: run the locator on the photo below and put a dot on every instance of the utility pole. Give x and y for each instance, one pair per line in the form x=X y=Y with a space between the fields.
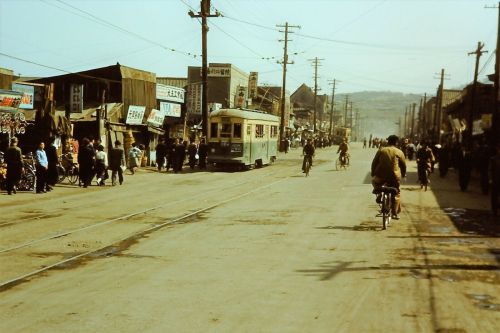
x=413 y=106
x=345 y=110
x=478 y=54
x=315 y=62
x=405 y=128
x=495 y=125
x=333 y=103
x=440 y=107
x=419 y=124
x=283 y=88
x=204 y=13
x=351 y=116
x=424 y=118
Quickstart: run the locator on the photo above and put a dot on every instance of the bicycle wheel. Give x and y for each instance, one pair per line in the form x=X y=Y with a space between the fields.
x=307 y=167
x=386 y=210
x=338 y=164
x=28 y=181
x=72 y=175
x=61 y=174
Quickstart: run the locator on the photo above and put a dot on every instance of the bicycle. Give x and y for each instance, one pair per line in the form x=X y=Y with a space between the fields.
x=385 y=197
x=67 y=169
x=307 y=164
x=342 y=162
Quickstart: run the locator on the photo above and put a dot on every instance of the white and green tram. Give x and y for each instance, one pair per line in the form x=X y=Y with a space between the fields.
x=242 y=138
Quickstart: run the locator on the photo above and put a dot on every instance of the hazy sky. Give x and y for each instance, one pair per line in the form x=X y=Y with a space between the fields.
x=367 y=45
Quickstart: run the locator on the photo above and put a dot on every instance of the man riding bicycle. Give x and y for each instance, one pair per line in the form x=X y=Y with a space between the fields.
x=308 y=152
x=388 y=167
x=344 y=152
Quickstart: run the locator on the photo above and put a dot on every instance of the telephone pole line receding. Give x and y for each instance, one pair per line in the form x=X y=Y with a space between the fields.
x=345 y=110
x=284 y=62
x=204 y=13
x=332 y=82
x=315 y=62
x=478 y=52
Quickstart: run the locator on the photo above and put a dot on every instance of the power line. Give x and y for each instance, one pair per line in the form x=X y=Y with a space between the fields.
x=93 y=18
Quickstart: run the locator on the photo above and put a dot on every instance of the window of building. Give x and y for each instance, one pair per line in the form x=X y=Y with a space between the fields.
x=213 y=130
x=237 y=130
x=274 y=131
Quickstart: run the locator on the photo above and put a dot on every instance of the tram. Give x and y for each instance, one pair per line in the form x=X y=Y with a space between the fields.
x=242 y=138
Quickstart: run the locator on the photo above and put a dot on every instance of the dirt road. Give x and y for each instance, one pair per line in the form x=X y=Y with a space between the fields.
x=267 y=250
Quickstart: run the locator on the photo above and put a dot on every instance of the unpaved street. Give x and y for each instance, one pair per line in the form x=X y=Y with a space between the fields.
x=266 y=250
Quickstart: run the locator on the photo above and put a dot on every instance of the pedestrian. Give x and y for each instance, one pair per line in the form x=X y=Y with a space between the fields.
x=170 y=154
x=53 y=159
x=483 y=156
x=179 y=155
x=444 y=159
x=425 y=158
x=495 y=179
x=133 y=158
x=117 y=163
x=14 y=159
x=192 y=154
x=202 y=154
x=86 y=161
x=42 y=165
x=101 y=166
x=161 y=153
x=364 y=143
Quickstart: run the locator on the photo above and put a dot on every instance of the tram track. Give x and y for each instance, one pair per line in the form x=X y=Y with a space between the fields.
x=6 y=284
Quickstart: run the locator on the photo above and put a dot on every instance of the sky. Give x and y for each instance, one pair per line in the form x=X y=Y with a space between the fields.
x=366 y=45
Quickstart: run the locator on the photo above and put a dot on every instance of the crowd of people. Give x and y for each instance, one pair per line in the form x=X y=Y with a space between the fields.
x=172 y=154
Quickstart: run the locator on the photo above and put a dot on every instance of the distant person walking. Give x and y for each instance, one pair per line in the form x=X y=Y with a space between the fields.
x=202 y=154
x=42 y=165
x=86 y=160
x=14 y=159
x=133 y=158
x=117 y=163
x=53 y=159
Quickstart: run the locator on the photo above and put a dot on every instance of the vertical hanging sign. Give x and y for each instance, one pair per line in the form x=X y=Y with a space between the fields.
x=76 y=98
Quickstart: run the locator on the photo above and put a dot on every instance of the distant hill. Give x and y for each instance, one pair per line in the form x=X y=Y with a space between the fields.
x=379 y=110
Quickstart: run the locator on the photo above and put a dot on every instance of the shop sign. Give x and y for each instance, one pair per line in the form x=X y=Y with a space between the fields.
x=218 y=71
x=169 y=93
x=10 y=98
x=214 y=107
x=28 y=95
x=170 y=109
x=156 y=117
x=252 y=84
x=135 y=114
x=76 y=98
x=194 y=98
x=240 y=98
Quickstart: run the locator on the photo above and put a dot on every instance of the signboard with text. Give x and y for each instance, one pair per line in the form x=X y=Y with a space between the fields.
x=76 y=98
x=28 y=95
x=252 y=84
x=214 y=71
x=169 y=93
x=170 y=109
x=194 y=98
x=135 y=114
x=156 y=117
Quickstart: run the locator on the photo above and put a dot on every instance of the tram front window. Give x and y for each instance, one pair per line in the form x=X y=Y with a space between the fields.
x=237 y=131
x=225 y=131
x=213 y=130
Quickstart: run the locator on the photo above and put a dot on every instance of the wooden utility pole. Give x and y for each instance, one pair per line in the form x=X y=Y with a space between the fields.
x=420 y=117
x=315 y=62
x=351 y=116
x=412 y=120
x=405 y=126
x=333 y=103
x=439 y=110
x=478 y=52
x=283 y=88
x=204 y=14
x=100 y=112
x=345 y=110
x=424 y=118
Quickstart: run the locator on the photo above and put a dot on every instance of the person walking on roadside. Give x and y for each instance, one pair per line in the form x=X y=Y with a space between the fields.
x=86 y=160
x=14 y=159
x=161 y=153
x=202 y=154
x=192 y=152
x=117 y=163
x=101 y=166
x=495 y=180
x=425 y=158
x=42 y=165
x=170 y=154
x=133 y=158
x=388 y=168
x=53 y=159
x=179 y=155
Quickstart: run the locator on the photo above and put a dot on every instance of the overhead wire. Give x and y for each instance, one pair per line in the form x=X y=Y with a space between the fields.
x=108 y=24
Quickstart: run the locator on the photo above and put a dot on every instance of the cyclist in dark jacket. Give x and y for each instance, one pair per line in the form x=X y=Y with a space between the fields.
x=308 y=152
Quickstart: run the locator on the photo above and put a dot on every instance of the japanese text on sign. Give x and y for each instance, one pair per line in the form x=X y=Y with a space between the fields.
x=76 y=98
x=169 y=93
x=135 y=114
